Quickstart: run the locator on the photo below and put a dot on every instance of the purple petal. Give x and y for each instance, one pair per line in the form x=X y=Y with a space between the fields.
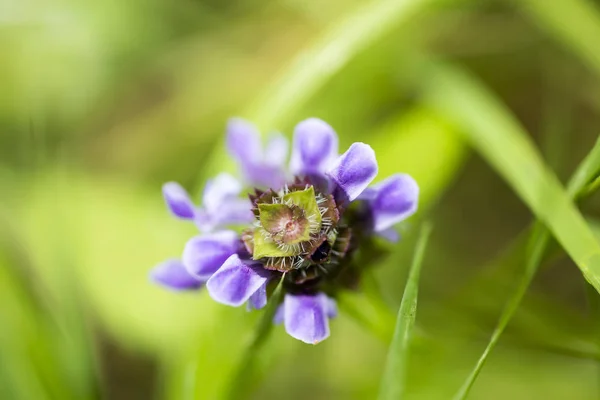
x=178 y=200
x=231 y=212
x=397 y=198
x=235 y=212
x=259 y=299
x=265 y=175
x=235 y=282
x=173 y=275
x=222 y=187
x=306 y=317
x=204 y=255
x=354 y=170
x=243 y=142
x=279 y=314
x=369 y=194
x=276 y=150
x=332 y=310
x=389 y=234
x=315 y=147
x=205 y=221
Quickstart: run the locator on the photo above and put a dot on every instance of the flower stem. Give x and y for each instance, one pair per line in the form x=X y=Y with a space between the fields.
x=241 y=379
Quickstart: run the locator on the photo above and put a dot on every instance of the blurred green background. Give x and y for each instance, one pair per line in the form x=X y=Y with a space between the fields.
x=101 y=101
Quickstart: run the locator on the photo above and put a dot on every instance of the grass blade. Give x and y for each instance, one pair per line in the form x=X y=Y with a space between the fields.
x=585 y=173
x=492 y=130
x=393 y=382
x=313 y=67
x=507 y=138
x=538 y=243
x=535 y=253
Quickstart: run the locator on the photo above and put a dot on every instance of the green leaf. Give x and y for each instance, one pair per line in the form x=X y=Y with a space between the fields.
x=393 y=382
x=500 y=139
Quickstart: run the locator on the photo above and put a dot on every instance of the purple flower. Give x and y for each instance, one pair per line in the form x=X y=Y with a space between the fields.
x=306 y=317
x=354 y=170
x=299 y=226
x=178 y=201
x=221 y=203
x=260 y=167
x=238 y=281
x=315 y=148
x=203 y=255
x=390 y=202
x=173 y=275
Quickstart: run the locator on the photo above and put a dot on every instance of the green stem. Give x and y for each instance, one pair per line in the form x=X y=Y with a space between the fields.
x=241 y=379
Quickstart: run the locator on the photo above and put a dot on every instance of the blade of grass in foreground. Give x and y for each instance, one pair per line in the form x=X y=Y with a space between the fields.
x=393 y=382
x=493 y=131
x=539 y=237
x=535 y=253
x=313 y=67
x=241 y=380
x=538 y=242
x=585 y=174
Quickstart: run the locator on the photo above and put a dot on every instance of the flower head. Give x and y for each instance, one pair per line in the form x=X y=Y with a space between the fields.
x=306 y=224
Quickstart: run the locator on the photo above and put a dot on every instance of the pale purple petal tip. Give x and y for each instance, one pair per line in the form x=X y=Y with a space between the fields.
x=178 y=200
x=397 y=199
x=315 y=147
x=276 y=150
x=354 y=170
x=265 y=175
x=222 y=187
x=305 y=317
x=259 y=299
x=279 y=314
x=235 y=212
x=204 y=255
x=259 y=168
x=332 y=309
x=243 y=141
x=235 y=282
x=205 y=221
x=173 y=275
x=390 y=234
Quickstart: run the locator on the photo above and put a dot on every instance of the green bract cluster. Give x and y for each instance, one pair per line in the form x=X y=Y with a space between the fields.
x=297 y=228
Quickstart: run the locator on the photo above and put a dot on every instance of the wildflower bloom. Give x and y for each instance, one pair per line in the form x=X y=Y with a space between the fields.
x=315 y=224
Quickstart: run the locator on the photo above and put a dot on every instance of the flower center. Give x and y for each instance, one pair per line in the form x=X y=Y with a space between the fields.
x=296 y=228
